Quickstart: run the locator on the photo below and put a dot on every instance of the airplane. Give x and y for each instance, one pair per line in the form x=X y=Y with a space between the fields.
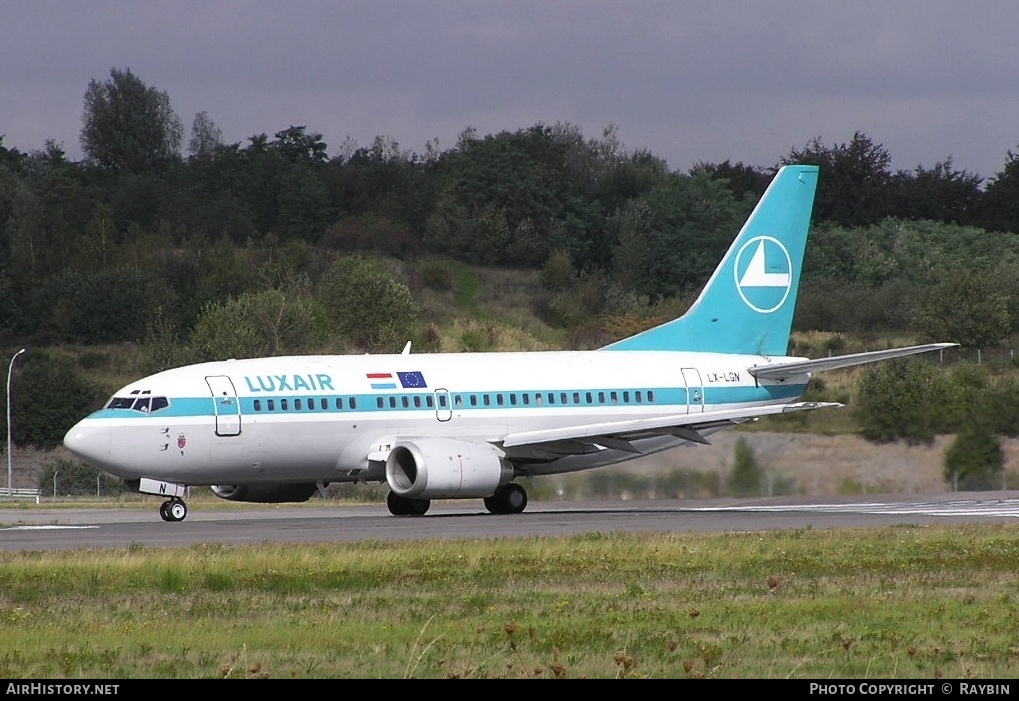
x=470 y=425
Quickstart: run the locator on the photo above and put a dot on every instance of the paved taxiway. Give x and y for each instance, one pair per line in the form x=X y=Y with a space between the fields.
x=43 y=528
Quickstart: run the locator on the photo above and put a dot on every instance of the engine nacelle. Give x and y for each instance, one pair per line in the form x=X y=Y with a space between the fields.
x=438 y=468
x=266 y=493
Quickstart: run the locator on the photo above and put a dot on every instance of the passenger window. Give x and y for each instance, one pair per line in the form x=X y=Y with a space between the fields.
x=405 y=401
x=392 y=402
x=324 y=403
x=417 y=400
x=380 y=402
x=352 y=403
x=258 y=405
x=576 y=397
x=297 y=404
x=651 y=395
x=339 y=402
x=271 y=405
x=626 y=397
x=284 y=404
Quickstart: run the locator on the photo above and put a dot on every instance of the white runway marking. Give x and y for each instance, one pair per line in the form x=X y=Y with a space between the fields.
x=45 y=528
x=1004 y=507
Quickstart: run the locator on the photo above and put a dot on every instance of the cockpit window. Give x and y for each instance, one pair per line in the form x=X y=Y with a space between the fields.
x=145 y=404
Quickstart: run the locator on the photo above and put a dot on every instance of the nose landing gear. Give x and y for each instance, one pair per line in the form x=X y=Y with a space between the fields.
x=173 y=510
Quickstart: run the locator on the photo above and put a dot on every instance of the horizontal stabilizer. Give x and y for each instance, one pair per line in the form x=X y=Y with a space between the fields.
x=781 y=371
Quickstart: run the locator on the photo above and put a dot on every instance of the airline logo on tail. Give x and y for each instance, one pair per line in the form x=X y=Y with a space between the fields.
x=764 y=274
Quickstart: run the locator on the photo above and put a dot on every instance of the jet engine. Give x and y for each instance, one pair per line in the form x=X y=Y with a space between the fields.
x=266 y=493
x=437 y=468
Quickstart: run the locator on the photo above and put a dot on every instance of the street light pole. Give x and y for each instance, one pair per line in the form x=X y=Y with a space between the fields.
x=10 y=461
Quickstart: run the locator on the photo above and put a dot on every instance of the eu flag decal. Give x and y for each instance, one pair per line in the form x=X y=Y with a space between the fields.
x=411 y=380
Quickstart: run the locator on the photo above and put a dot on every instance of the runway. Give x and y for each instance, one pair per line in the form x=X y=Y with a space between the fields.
x=40 y=528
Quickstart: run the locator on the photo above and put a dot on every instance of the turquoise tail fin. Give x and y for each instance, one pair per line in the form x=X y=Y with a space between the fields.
x=747 y=306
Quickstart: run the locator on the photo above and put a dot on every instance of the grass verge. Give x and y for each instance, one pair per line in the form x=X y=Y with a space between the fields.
x=897 y=602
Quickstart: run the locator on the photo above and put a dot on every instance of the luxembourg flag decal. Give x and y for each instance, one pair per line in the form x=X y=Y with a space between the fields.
x=386 y=380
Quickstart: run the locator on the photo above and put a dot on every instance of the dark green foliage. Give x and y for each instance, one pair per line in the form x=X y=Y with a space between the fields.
x=963 y=307
x=255 y=324
x=1001 y=404
x=998 y=209
x=940 y=193
x=128 y=126
x=73 y=478
x=975 y=459
x=742 y=179
x=672 y=238
x=366 y=303
x=900 y=399
x=853 y=187
x=557 y=273
x=49 y=394
x=747 y=478
x=436 y=275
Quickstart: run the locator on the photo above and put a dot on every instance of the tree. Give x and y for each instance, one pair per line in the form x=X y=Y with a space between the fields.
x=257 y=324
x=940 y=193
x=898 y=400
x=975 y=459
x=51 y=395
x=206 y=137
x=852 y=187
x=965 y=309
x=366 y=302
x=999 y=205
x=128 y=126
x=747 y=477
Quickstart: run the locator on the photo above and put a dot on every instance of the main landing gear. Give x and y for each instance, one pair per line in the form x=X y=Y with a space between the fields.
x=508 y=499
x=173 y=510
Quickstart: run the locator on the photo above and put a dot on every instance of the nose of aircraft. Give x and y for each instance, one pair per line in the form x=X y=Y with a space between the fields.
x=89 y=441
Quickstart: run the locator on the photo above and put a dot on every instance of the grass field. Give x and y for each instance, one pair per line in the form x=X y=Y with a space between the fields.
x=885 y=603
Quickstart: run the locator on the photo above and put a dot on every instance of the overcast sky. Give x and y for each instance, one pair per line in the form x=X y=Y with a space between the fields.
x=687 y=80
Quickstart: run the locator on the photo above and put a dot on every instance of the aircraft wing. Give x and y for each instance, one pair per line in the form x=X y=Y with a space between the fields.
x=619 y=434
x=781 y=371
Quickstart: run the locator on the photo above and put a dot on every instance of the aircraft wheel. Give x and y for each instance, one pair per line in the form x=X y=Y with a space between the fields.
x=508 y=499
x=402 y=506
x=419 y=507
x=173 y=511
x=515 y=498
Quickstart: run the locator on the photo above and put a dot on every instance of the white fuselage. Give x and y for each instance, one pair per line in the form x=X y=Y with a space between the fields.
x=333 y=418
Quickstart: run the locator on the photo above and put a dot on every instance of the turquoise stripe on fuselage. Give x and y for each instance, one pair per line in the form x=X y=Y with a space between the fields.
x=664 y=398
